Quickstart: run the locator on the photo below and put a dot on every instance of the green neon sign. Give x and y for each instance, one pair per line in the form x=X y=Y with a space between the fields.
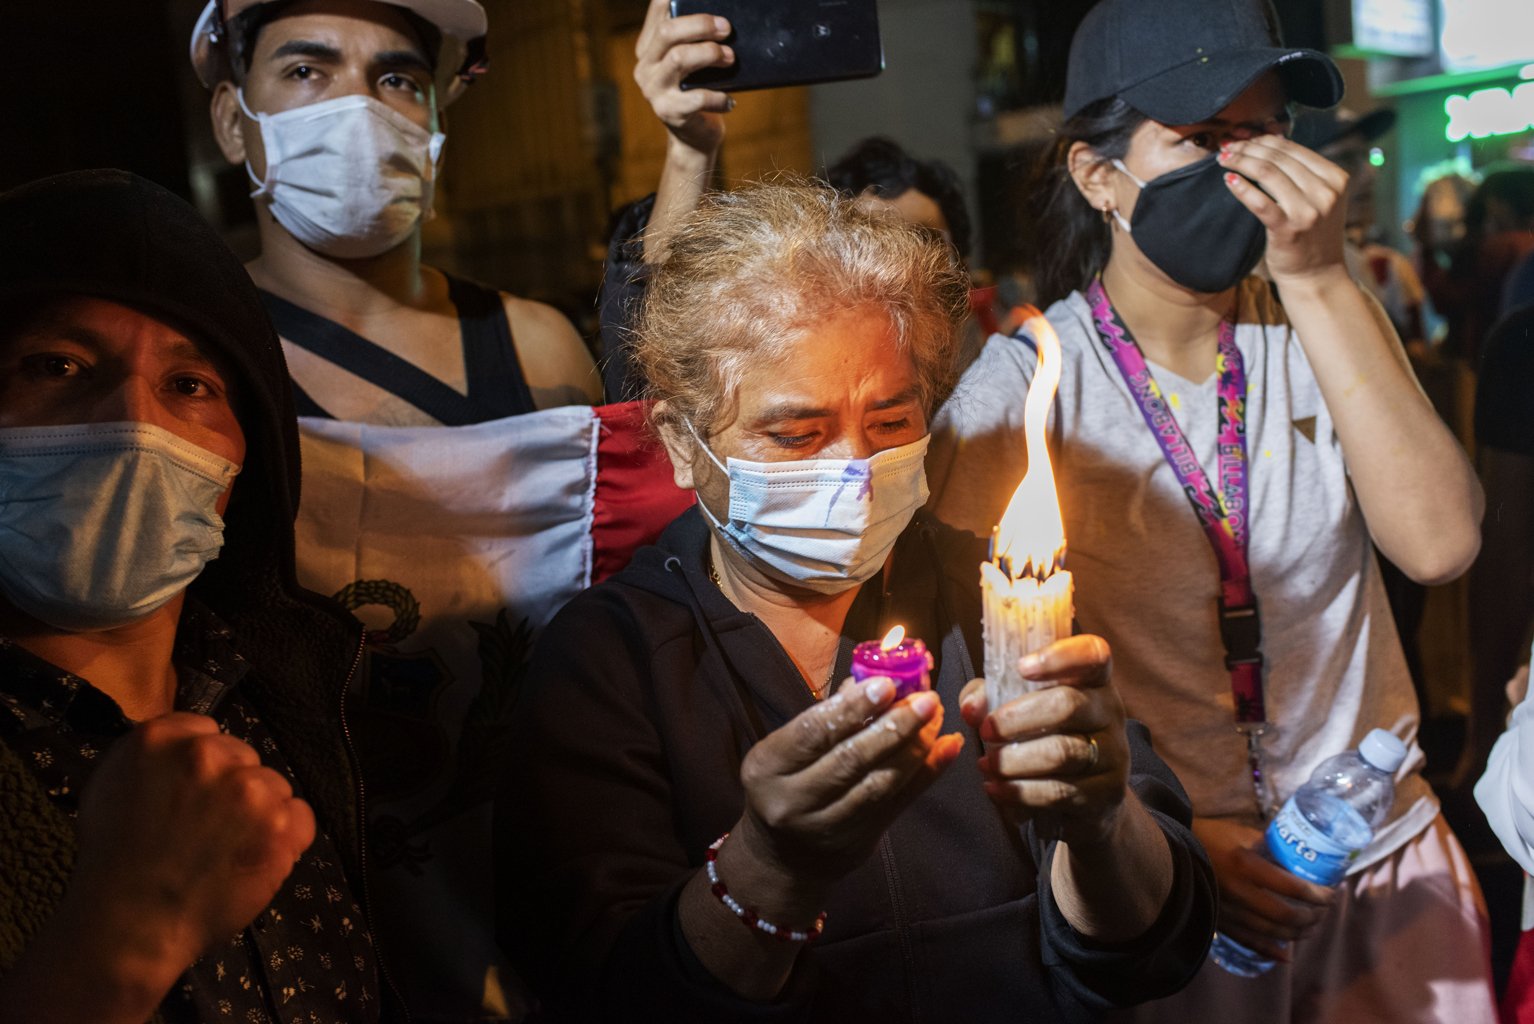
x=1488 y=112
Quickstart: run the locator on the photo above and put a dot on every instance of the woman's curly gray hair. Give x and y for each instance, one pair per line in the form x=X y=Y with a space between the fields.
x=756 y=267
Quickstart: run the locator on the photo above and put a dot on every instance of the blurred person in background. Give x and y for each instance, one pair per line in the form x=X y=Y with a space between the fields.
x=1499 y=233
x=1438 y=226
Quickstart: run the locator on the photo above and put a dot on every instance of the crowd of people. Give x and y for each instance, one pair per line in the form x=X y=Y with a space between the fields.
x=317 y=703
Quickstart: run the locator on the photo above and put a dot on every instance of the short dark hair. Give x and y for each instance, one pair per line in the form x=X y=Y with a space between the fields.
x=1511 y=184
x=244 y=30
x=880 y=164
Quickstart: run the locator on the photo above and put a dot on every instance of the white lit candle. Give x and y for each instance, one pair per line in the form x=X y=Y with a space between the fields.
x=1026 y=590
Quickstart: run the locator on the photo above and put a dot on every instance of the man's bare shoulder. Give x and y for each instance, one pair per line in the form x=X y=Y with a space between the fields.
x=558 y=366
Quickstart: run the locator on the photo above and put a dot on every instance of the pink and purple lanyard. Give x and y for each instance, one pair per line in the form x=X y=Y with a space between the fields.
x=1222 y=513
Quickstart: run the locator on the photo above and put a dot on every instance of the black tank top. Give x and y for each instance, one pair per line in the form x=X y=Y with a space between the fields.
x=496 y=386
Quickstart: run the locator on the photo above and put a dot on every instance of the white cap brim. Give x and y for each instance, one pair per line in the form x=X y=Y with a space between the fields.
x=460 y=22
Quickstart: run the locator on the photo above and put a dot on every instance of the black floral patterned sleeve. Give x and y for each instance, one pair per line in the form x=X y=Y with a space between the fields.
x=308 y=957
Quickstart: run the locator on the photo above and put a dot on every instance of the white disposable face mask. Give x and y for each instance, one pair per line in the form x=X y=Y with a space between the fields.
x=102 y=523
x=348 y=177
x=826 y=525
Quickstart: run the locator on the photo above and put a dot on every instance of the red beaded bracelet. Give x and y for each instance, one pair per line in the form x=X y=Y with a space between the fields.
x=748 y=915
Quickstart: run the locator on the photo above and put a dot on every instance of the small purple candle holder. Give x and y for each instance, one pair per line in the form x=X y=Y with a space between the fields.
x=908 y=665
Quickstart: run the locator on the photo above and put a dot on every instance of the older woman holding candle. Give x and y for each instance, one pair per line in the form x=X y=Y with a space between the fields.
x=698 y=822
x=1228 y=447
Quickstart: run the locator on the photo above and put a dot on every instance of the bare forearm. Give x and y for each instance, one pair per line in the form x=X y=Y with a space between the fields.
x=683 y=180
x=1414 y=483
x=1114 y=890
x=749 y=962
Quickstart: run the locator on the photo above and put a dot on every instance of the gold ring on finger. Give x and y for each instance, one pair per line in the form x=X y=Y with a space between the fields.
x=1095 y=752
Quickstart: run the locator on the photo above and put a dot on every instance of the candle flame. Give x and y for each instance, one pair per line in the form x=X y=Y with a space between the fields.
x=1030 y=539
x=892 y=639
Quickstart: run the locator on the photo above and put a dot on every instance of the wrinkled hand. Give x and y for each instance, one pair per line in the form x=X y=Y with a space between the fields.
x=1039 y=759
x=1262 y=906
x=670 y=49
x=821 y=790
x=186 y=834
x=1303 y=208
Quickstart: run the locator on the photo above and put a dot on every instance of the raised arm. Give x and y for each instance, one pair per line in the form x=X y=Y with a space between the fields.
x=670 y=49
x=1417 y=489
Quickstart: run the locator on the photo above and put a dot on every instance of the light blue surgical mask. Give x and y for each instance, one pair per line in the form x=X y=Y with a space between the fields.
x=825 y=525
x=102 y=523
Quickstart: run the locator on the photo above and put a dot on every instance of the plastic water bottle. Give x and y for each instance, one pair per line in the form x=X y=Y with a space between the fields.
x=1323 y=826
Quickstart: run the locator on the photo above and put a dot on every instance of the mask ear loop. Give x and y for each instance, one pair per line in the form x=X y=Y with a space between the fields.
x=1123 y=223
x=706 y=449
x=261 y=187
x=722 y=468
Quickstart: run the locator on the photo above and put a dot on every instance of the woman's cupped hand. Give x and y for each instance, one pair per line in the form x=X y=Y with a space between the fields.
x=1060 y=753
x=821 y=790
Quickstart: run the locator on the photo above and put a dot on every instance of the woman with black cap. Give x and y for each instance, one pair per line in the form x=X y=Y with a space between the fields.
x=1250 y=631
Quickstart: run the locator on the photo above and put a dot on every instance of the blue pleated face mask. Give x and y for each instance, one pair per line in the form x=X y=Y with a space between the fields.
x=102 y=523
x=825 y=525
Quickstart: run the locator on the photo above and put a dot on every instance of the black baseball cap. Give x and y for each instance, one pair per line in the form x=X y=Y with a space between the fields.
x=1183 y=61
x=1317 y=129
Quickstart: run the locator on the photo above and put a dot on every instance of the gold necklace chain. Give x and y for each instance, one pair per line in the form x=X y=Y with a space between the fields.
x=816 y=692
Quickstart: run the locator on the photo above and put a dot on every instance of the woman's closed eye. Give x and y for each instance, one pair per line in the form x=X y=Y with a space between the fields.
x=793 y=441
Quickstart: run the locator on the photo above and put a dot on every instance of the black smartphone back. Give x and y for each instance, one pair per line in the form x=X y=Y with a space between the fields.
x=790 y=42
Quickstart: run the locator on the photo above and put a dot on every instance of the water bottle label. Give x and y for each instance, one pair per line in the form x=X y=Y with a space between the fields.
x=1304 y=850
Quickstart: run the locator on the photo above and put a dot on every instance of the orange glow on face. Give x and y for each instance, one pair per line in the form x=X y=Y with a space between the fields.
x=1030 y=539
x=892 y=639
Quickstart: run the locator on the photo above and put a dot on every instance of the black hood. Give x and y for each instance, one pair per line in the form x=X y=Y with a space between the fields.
x=113 y=235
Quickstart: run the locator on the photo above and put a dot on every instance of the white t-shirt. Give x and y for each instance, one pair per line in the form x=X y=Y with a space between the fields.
x=1146 y=577
x=1506 y=790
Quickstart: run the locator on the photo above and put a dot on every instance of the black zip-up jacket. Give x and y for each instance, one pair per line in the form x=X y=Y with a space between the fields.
x=645 y=694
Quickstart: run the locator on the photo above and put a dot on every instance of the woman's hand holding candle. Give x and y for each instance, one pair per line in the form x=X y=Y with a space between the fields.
x=1061 y=753
x=823 y=788
x=1058 y=751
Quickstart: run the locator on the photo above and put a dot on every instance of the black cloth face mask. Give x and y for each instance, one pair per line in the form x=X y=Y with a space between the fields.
x=1190 y=226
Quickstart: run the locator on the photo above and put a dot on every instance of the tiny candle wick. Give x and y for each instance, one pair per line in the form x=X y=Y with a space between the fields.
x=892 y=639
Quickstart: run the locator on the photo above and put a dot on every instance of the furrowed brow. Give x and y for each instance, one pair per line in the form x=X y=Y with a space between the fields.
x=905 y=397
x=402 y=60
x=790 y=411
x=306 y=48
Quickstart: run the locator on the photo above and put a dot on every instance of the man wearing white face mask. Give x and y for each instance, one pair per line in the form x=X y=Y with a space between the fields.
x=332 y=107
x=178 y=798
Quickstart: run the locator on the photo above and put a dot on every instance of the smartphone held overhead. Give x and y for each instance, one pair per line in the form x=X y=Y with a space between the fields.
x=790 y=42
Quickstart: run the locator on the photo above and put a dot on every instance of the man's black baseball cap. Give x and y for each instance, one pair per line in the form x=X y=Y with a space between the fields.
x=1183 y=61
x=1317 y=129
